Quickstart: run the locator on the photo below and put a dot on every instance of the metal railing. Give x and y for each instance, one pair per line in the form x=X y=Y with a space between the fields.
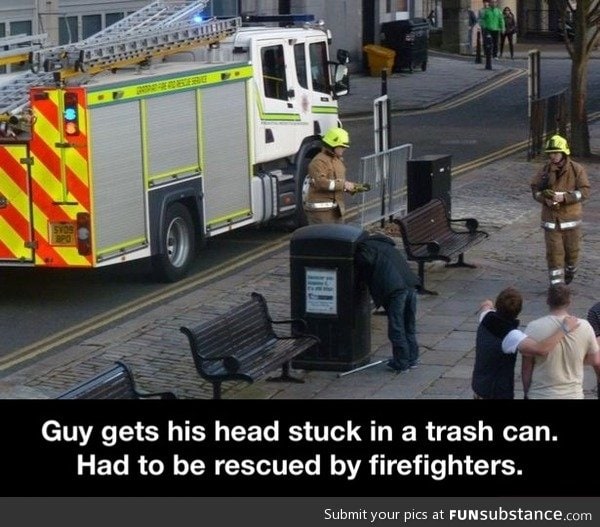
x=385 y=173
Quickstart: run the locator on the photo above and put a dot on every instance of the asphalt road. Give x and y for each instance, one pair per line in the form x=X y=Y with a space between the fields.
x=37 y=304
x=477 y=128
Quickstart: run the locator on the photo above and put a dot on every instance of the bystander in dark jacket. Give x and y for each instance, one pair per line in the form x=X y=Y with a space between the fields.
x=510 y=28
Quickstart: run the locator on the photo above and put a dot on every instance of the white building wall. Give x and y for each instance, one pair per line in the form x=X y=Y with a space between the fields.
x=260 y=7
x=16 y=10
x=343 y=18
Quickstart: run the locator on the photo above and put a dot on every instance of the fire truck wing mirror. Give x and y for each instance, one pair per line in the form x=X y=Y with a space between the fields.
x=341 y=83
x=343 y=56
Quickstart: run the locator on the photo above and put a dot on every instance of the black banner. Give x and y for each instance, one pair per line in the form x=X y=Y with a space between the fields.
x=299 y=448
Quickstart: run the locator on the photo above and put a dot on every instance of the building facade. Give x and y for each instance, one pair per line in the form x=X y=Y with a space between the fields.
x=354 y=23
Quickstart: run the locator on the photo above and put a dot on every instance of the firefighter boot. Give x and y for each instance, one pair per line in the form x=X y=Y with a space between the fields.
x=557 y=275
x=570 y=271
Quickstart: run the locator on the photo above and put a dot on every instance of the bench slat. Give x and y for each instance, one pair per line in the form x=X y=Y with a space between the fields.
x=428 y=236
x=115 y=383
x=242 y=345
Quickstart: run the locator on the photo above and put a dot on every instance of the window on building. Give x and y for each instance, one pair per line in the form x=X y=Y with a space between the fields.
x=2 y=34
x=67 y=30
x=112 y=18
x=220 y=8
x=223 y=8
x=396 y=5
x=319 y=70
x=300 y=59
x=21 y=27
x=90 y=25
x=273 y=70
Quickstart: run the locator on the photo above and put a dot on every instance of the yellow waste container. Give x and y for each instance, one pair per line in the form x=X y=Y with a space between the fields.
x=379 y=58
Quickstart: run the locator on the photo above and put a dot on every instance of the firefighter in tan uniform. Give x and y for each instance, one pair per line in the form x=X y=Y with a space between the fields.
x=561 y=187
x=324 y=201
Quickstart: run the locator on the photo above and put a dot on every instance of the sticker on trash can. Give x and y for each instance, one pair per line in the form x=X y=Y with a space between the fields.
x=321 y=291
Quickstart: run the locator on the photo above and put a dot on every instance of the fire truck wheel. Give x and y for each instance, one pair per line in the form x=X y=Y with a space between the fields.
x=178 y=248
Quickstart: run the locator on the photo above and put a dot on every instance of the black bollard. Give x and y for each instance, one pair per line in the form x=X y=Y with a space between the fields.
x=487 y=47
x=478 y=48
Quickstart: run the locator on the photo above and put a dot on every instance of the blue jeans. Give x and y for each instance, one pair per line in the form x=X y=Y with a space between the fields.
x=401 y=311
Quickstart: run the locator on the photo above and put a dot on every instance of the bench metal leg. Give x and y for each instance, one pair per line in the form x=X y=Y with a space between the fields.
x=421 y=290
x=461 y=263
x=285 y=376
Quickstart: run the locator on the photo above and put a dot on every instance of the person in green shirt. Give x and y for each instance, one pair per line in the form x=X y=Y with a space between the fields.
x=491 y=21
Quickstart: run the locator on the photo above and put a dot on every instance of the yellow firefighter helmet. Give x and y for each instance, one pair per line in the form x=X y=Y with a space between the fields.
x=335 y=137
x=557 y=144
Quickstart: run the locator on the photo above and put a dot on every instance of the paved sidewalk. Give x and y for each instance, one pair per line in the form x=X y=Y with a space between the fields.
x=496 y=194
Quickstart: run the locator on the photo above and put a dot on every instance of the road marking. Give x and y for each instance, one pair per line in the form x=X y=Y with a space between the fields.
x=489 y=158
x=471 y=95
x=503 y=152
x=64 y=337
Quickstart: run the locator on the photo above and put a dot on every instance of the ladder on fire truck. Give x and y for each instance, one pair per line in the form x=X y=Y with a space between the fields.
x=16 y=49
x=161 y=28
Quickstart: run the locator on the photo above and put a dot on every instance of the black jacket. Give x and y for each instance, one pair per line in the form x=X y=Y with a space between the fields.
x=494 y=370
x=384 y=268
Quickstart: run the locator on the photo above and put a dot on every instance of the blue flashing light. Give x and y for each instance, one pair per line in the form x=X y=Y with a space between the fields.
x=70 y=114
x=198 y=19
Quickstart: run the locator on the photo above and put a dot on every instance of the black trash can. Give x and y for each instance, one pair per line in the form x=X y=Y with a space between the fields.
x=327 y=294
x=429 y=177
x=410 y=40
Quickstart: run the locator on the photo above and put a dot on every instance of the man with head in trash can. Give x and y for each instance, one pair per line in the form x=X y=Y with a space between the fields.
x=392 y=284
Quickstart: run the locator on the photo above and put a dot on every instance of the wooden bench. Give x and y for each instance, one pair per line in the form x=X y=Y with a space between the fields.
x=114 y=383
x=428 y=235
x=240 y=345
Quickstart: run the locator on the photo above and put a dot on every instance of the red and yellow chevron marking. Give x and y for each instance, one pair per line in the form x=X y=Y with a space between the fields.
x=59 y=175
x=15 y=225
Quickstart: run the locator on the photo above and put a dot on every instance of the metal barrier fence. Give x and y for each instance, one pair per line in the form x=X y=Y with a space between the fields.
x=549 y=116
x=385 y=173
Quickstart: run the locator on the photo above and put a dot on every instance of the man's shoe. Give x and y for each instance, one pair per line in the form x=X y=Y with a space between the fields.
x=414 y=366
x=570 y=274
x=396 y=367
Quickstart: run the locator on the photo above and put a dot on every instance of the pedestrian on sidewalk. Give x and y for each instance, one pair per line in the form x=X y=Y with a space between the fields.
x=561 y=186
x=324 y=200
x=510 y=28
x=498 y=341
x=472 y=29
x=593 y=318
x=492 y=24
x=392 y=284
x=559 y=375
